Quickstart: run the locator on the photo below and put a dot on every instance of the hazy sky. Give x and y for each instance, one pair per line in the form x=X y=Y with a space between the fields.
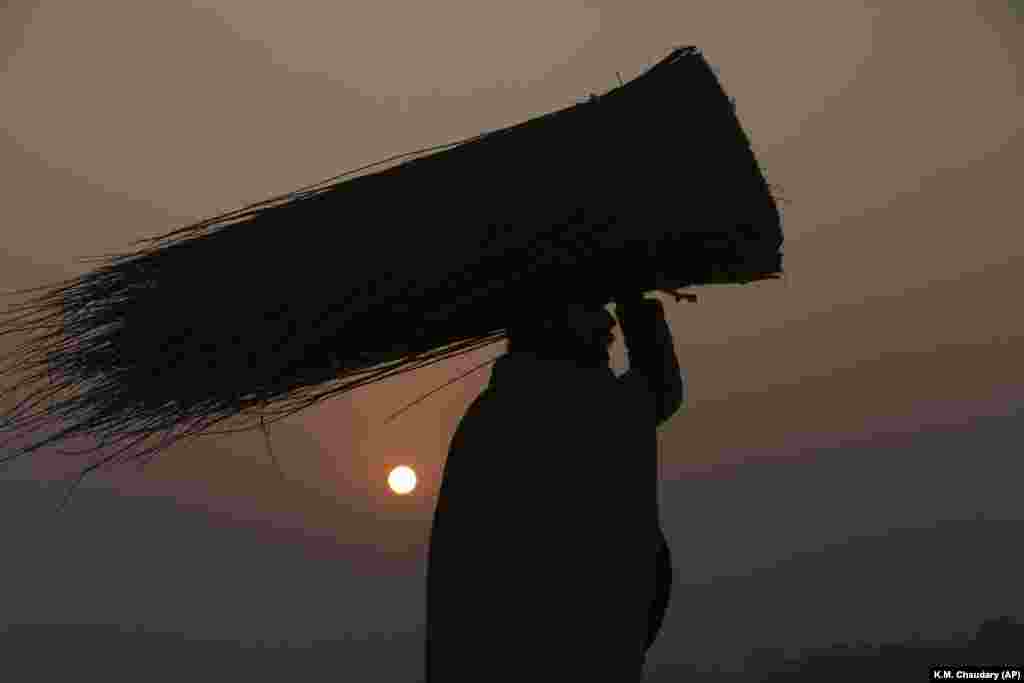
x=845 y=425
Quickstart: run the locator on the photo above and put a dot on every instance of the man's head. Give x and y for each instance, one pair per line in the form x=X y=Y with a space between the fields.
x=577 y=332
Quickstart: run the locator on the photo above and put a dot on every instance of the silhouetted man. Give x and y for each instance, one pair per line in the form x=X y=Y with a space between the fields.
x=547 y=561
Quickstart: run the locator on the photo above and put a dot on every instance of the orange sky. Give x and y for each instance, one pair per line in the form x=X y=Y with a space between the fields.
x=893 y=133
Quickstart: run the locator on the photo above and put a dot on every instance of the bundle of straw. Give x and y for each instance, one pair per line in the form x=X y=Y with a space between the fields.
x=285 y=302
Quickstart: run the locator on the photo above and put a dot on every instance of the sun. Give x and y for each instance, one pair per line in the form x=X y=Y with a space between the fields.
x=402 y=480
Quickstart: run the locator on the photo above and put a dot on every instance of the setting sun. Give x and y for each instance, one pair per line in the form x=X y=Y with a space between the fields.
x=402 y=479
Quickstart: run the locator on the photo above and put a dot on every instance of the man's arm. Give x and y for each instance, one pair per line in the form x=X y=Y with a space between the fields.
x=651 y=352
